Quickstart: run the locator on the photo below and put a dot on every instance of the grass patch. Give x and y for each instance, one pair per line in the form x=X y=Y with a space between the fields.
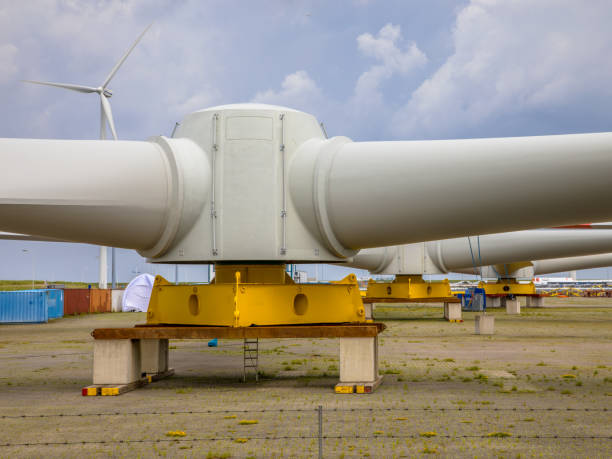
x=215 y=455
x=499 y=435
x=428 y=434
x=391 y=371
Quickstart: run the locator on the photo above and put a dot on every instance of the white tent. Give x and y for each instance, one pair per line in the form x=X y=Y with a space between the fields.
x=137 y=293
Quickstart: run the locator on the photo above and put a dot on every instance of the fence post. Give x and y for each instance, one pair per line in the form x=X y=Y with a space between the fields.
x=320 y=410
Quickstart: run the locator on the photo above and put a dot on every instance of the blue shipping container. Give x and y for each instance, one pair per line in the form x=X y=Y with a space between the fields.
x=23 y=307
x=55 y=301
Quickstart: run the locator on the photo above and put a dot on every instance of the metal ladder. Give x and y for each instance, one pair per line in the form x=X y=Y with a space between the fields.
x=251 y=357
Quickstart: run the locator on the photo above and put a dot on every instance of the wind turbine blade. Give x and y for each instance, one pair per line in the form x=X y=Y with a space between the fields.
x=102 y=119
x=116 y=67
x=106 y=108
x=72 y=87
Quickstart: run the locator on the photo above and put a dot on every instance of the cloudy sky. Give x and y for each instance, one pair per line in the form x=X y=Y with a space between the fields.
x=371 y=70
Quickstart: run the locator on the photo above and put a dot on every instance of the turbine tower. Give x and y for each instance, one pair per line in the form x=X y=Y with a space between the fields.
x=106 y=117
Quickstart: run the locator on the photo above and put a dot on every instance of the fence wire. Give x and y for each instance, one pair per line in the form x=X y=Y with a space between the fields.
x=303 y=410
x=312 y=432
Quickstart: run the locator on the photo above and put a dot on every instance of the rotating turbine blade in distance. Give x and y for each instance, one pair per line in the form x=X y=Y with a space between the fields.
x=102 y=119
x=106 y=110
x=123 y=58
x=72 y=87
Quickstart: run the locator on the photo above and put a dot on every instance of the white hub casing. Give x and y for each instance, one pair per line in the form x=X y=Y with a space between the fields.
x=253 y=217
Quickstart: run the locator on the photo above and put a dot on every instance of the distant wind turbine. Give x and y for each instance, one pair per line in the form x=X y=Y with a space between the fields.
x=106 y=117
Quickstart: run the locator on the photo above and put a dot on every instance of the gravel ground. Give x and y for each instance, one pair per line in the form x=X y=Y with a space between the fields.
x=541 y=386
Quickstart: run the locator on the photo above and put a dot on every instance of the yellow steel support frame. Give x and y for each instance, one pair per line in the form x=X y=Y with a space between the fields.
x=408 y=288
x=245 y=295
x=508 y=287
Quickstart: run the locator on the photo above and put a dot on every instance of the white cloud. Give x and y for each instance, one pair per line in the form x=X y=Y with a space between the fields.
x=195 y=102
x=512 y=59
x=79 y=42
x=393 y=60
x=8 y=62
x=297 y=90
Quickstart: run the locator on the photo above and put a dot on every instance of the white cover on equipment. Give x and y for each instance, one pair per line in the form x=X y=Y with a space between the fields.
x=137 y=293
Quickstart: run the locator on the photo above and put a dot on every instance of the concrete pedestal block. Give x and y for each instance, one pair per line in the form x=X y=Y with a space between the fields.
x=535 y=301
x=513 y=307
x=116 y=361
x=494 y=302
x=116 y=300
x=369 y=310
x=154 y=355
x=359 y=360
x=485 y=325
x=452 y=311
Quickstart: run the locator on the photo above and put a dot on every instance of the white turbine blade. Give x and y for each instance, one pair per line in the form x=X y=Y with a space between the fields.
x=116 y=67
x=72 y=87
x=102 y=120
x=108 y=114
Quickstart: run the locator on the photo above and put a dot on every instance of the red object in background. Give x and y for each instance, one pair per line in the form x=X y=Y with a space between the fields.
x=581 y=226
x=76 y=301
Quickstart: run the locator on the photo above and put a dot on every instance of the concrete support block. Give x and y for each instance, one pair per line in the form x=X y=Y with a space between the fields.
x=116 y=300
x=369 y=310
x=154 y=355
x=452 y=311
x=358 y=360
x=535 y=301
x=513 y=306
x=494 y=302
x=116 y=361
x=485 y=325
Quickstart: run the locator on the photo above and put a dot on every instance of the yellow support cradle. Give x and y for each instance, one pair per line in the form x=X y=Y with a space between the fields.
x=245 y=295
x=409 y=288
x=505 y=287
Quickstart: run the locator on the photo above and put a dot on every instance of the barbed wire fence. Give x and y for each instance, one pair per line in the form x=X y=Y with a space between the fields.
x=315 y=431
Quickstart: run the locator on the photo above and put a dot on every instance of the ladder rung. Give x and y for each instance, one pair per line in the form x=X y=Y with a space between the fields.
x=250 y=356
